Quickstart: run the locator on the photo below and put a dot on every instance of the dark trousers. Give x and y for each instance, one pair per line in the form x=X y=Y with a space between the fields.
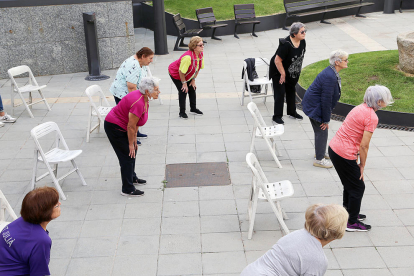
x=182 y=96
x=279 y=91
x=119 y=141
x=349 y=173
x=321 y=139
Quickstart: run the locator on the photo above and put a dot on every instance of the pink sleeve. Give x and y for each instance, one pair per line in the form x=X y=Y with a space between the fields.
x=137 y=108
x=371 y=122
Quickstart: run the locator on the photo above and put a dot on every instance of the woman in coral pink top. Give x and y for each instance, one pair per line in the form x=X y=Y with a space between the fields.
x=352 y=137
x=121 y=126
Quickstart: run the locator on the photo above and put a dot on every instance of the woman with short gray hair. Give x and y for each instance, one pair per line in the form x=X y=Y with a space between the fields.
x=352 y=139
x=319 y=100
x=121 y=126
x=284 y=70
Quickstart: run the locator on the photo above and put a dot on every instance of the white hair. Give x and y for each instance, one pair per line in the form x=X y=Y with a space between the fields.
x=377 y=93
x=295 y=27
x=148 y=83
x=337 y=55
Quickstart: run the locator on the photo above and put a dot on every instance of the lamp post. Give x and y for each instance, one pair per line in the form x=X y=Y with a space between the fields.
x=160 y=31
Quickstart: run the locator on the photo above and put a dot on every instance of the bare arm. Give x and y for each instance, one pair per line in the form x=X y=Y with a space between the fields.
x=132 y=130
x=363 y=151
x=131 y=87
x=279 y=66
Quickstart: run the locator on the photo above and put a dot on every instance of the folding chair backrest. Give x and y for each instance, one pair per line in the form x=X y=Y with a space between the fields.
x=254 y=165
x=45 y=129
x=149 y=74
x=15 y=71
x=261 y=61
x=96 y=90
x=5 y=206
x=257 y=116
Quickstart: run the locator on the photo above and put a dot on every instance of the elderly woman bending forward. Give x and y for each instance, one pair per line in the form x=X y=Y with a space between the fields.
x=121 y=126
x=301 y=252
x=319 y=100
x=352 y=137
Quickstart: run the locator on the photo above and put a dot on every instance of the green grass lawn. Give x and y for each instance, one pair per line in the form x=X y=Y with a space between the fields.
x=367 y=69
x=223 y=9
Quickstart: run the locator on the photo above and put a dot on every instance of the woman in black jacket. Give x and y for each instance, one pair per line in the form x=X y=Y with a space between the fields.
x=319 y=100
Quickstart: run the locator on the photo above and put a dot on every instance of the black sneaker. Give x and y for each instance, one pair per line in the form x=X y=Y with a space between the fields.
x=139 y=181
x=196 y=112
x=183 y=115
x=278 y=121
x=138 y=142
x=134 y=193
x=357 y=227
x=141 y=135
x=361 y=217
x=296 y=116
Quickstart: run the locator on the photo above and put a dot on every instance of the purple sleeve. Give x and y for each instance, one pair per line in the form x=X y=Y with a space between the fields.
x=137 y=108
x=39 y=259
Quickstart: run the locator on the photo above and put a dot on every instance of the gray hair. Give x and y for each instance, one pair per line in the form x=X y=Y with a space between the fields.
x=337 y=55
x=148 y=83
x=295 y=27
x=377 y=93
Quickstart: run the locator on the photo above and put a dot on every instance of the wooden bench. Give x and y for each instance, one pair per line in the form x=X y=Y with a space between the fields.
x=245 y=14
x=182 y=33
x=207 y=21
x=298 y=8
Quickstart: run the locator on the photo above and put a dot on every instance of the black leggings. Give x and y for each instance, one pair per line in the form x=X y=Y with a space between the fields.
x=279 y=91
x=182 y=95
x=349 y=173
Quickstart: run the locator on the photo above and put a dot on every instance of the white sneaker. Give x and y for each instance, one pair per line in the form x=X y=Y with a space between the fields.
x=7 y=119
x=323 y=163
x=1 y=124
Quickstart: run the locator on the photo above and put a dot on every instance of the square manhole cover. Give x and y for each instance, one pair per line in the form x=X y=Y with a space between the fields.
x=197 y=174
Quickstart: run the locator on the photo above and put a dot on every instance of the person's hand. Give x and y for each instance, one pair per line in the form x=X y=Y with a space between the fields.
x=282 y=79
x=324 y=126
x=132 y=149
x=184 y=88
x=192 y=83
x=361 y=168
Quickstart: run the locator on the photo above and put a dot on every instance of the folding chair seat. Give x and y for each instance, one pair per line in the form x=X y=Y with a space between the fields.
x=263 y=190
x=268 y=133
x=263 y=81
x=54 y=156
x=99 y=112
x=29 y=88
x=5 y=206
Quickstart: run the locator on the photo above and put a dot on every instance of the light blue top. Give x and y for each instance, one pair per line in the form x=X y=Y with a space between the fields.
x=129 y=71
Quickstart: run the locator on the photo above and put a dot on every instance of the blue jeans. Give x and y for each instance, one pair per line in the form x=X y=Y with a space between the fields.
x=1 y=105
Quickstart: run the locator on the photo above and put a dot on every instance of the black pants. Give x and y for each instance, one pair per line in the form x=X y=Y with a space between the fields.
x=349 y=173
x=182 y=96
x=321 y=139
x=279 y=91
x=119 y=141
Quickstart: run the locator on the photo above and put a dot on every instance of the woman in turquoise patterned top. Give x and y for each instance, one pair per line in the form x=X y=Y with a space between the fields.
x=129 y=75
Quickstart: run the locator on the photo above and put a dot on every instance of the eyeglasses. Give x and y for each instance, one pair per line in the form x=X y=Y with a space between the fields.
x=58 y=205
x=346 y=60
x=303 y=32
x=200 y=45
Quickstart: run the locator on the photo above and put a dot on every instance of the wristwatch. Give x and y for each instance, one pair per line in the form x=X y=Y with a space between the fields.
x=183 y=82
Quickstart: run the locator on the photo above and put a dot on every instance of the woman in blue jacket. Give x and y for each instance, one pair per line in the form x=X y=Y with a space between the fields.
x=319 y=100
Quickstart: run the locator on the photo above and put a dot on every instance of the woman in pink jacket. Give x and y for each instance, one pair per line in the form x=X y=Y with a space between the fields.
x=183 y=73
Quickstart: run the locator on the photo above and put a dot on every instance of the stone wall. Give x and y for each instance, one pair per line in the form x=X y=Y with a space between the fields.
x=51 y=39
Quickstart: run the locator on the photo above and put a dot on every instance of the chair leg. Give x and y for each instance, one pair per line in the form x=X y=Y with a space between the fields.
x=55 y=181
x=264 y=98
x=12 y=98
x=182 y=44
x=250 y=93
x=88 y=131
x=270 y=147
x=56 y=169
x=26 y=106
x=176 y=47
x=244 y=90
x=213 y=35
x=323 y=19
x=99 y=125
x=235 y=31
x=78 y=172
x=253 y=213
x=253 y=137
x=284 y=24
x=253 y=33
x=285 y=216
x=36 y=160
x=358 y=14
x=44 y=99
x=279 y=216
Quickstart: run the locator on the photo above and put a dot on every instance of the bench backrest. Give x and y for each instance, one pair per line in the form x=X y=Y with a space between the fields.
x=179 y=23
x=293 y=6
x=244 y=12
x=205 y=16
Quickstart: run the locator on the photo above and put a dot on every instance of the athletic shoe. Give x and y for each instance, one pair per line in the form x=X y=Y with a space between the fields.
x=141 y=135
x=357 y=227
x=361 y=217
x=7 y=119
x=183 y=115
x=323 y=163
x=326 y=156
x=296 y=116
x=139 y=181
x=196 y=112
x=2 y=124
x=138 y=142
x=134 y=193
x=278 y=121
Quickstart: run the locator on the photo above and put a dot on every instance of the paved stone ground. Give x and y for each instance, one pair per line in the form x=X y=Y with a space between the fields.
x=202 y=231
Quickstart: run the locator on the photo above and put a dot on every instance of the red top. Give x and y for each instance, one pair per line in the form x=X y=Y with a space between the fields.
x=175 y=66
x=134 y=103
x=347 y=139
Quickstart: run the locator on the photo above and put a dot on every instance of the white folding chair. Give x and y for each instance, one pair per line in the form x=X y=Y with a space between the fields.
x=5 y=206
x=28 y=88
x=264 y=190
x=149 y=74
x=268 y=133
x=54 y=156
x=99 y=112
x=263 y=82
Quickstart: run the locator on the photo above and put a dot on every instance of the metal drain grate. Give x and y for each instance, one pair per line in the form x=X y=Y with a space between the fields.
x=197 y=174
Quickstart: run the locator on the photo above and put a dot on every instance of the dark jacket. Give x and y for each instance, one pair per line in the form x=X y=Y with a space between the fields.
x=322 y=96
x=250 y=68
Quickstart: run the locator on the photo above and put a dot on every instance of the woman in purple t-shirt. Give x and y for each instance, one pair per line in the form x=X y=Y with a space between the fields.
x=25 y=243
x=121 y=126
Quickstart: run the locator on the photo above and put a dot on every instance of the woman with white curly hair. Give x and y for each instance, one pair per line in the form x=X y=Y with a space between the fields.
x=121 y=126
x=319 y=100
x=353 y=137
